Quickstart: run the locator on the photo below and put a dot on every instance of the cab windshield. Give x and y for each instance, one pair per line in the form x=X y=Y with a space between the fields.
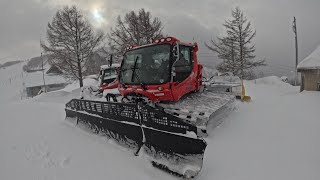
x=108 y=76
x=148 y=65
x=109 y=73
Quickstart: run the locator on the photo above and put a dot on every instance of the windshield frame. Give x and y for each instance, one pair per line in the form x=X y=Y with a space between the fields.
x=113 y=72
x=137 y=69
x=103 y=81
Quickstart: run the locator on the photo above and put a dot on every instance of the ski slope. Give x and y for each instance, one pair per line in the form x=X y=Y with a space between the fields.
x=276 y=136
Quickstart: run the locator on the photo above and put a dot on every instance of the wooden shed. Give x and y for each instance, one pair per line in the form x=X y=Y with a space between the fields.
x=310 y=71
x=34 y=83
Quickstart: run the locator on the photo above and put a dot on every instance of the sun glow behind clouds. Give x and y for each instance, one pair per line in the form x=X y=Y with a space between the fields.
x=97 y=16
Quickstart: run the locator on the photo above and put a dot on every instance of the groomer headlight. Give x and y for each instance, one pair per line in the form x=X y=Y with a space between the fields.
x=160 y=88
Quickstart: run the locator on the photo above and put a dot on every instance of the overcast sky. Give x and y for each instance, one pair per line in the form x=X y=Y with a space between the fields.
x=23 y=23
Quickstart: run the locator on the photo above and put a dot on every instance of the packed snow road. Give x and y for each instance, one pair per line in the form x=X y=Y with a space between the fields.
x=276 y=136
x=36 y=143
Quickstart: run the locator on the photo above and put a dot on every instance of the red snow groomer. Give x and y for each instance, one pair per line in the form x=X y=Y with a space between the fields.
x=163 y=71
x=162 y=107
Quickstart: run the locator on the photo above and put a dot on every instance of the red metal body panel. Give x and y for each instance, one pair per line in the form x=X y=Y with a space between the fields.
x=168 y=91
x=112 y=85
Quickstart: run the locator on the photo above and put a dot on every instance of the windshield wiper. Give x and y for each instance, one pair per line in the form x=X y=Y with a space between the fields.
x=134 y=68
x=140 y=82
x=135 y=73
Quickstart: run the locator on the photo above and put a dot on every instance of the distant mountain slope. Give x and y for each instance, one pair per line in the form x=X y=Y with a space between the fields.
x=9 y=63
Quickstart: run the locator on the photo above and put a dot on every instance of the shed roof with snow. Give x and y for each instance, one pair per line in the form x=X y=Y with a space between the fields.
x=36 y=79
x=311 y=62
x=34 y=75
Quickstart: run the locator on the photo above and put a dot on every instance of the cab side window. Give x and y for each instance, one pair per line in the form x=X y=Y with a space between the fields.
x=185 y=54
x=183 y=67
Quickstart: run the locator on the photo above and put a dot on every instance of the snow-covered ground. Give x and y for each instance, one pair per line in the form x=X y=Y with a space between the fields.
x=11 y=83
x=276 y=136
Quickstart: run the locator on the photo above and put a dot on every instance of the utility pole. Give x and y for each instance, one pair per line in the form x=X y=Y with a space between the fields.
x=44 y=81
x=294 y=27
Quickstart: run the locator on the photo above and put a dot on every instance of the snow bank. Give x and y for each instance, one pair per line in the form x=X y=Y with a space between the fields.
x=270 y=87
x=208 y=72
x=271 y=80
x=226 y=79
x=75 y=85
x=64 y=95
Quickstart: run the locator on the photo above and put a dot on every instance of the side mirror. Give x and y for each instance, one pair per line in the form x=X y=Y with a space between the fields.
x=175 y=51
x=174 y=70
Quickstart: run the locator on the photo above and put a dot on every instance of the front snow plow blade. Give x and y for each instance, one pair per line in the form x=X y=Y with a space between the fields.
x=171 y=143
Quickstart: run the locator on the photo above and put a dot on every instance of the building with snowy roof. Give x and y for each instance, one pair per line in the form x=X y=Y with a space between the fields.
x=310 y=71
x=40 y=76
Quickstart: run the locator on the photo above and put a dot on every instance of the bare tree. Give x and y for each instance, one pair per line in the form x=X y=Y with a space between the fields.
x=71 y=41
x=235 y=49
x=226 y=49
x=96 y=60
x=134 y=29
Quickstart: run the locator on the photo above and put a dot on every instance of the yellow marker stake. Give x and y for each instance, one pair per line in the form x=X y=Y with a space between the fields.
x=243 y=95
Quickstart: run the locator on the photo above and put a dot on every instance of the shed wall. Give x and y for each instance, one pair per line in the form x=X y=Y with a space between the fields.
x=310 y=80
